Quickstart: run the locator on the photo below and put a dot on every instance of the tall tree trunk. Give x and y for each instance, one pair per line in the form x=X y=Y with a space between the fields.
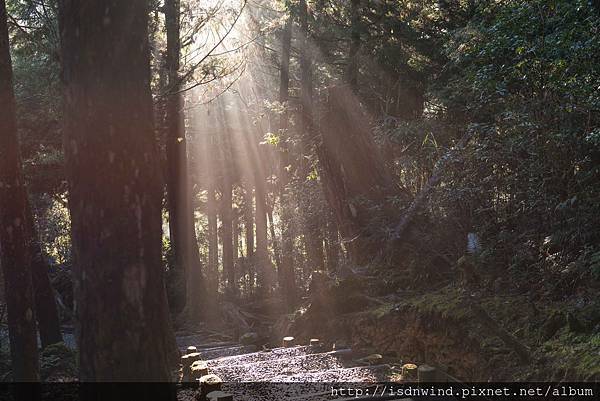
x=330 y=168
x=287 y=275
x=227 y=199
x=209 y=164
x=236 y=237
x=306 y=90
x=352 y=170
x=313 y=235
x=45 y=302
x=306 y=84
x=274 y=239
x=115 y=193
x=355 y=29
x=284 y=71
x=227 y=236
x=335 y=192
x=181 y=211
x=355 y=172
x=15 y=256
x=213 y=242
x=175 y=134
x=262 y=256
x=287 y=281
x=179 y=203
x=249 y=235
x=249 y=220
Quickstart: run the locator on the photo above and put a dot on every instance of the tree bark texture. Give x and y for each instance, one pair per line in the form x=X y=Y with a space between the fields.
x=181 y=208
x=227 y=201
x=115 y=192
x=46 y=310
x=15 y=236
x=286 y=276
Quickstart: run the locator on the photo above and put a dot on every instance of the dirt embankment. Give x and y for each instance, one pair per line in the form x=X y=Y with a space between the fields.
x=515 y=339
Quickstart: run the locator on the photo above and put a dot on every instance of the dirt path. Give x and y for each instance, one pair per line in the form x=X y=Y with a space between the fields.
x=302 y=373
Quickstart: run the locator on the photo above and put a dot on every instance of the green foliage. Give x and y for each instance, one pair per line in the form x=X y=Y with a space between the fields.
x=580 y=352
x=34 y=49
x=530 y=72
x=34 y=39
x=523 y=76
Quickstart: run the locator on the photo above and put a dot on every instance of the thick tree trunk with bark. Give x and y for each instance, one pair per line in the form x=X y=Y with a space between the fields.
x=181 y=211
x=115 y=192
x=352 y=172
x=313 y=234
x=355 y=172
x=175 y=133
x=15 y=256
x=335 y=193
x=347 y=136
x=45 y=301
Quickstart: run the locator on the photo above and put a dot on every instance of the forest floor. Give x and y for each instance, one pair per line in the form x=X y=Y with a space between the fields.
x=472 y=334
x=385 y=329
x=302 y=373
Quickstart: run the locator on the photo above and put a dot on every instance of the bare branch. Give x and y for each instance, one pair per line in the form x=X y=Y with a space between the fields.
x=185 y=76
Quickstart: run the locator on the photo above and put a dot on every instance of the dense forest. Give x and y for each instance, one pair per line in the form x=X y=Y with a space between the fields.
x=410 y=181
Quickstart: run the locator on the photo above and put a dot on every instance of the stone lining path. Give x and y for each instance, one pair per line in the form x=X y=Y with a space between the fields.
x=299 y=373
